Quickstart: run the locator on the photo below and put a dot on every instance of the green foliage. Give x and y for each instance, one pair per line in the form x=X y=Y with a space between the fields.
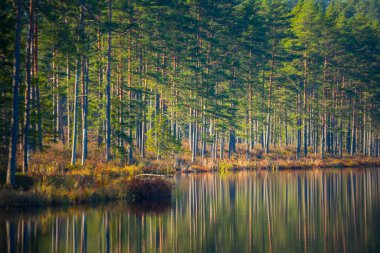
x=160 y=140
x=208 y=65
x=225 y=166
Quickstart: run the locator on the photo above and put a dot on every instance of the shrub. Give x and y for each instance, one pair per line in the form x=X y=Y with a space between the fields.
x=152 y=189
x=223 y=166
x=23 y=182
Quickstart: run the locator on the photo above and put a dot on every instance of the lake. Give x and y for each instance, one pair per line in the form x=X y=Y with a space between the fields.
x=247 y=211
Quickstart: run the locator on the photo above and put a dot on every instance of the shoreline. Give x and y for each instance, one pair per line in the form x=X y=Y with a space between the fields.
x=86 y=187
x=132 y=191
x=290 y=165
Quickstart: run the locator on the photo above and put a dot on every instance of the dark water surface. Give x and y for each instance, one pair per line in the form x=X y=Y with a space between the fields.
x=302 y=211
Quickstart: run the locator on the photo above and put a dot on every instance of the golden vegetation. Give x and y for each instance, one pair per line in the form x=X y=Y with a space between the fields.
x=51 y=181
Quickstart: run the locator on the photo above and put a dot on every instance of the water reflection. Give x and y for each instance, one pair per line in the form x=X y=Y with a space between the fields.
x=305 y=211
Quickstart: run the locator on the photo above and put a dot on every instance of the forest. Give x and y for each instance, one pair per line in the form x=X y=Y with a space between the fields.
x=133 y=83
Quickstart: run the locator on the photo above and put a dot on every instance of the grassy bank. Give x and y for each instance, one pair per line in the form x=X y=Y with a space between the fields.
x=279 y=159
x=55 y=191
x=51 y=181
x=49 y=184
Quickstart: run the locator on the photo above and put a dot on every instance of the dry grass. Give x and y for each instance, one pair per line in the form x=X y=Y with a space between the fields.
x=55 y=182
x=280 y=158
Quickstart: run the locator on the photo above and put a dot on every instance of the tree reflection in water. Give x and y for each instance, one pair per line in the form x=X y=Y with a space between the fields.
x=303 y=211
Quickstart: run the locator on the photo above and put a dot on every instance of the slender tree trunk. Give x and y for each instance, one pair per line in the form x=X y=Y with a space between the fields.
x=11 y=171
x=353 y=138
x=216 y=138
x=267 y=139
x=248 y=132
x=75 y=116
x=194 y=136
x=142 y=151
x=204 y=133
x=100 y=81
x=58 y=133
x=55 y=95
x=130 y=147
x=76 y=88
x=305 y=144
x=286 y=129
x=85 y=80
x=348 y=136
x=221 y=150
x=121 y=112
x=231 y=145
x=190 y=130
x=263 y=124
x=68 y=100
x=27 y=90
x=341 y=120
x=61 y=134
x=37 y=88
x=324 y=117
x=108 y=87
x=298 y=128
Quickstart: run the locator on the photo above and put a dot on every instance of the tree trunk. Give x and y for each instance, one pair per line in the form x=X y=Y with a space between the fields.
x=68 y=101
x=353 y=135
x=142 y=149
x=298 y=128
x=55 y=95
x=221 y=150
x=75 y=116
x=231 y=145
x=37 y=88
x=27 y=90
x=11 y=171
x=324 y=117
x=85 y=80
x=305 y=106
x=267 y=139
x=76 y=88
x=100 y=82
x=108 y=87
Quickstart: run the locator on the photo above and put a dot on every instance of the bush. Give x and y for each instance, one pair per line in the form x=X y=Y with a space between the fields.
x=224 y=166
x=151 y=189
x=23 y=182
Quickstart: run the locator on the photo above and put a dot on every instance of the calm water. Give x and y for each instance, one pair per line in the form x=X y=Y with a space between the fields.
x=305 y=211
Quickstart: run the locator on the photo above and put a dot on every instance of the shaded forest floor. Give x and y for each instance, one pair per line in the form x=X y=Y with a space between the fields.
x=51 y=179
